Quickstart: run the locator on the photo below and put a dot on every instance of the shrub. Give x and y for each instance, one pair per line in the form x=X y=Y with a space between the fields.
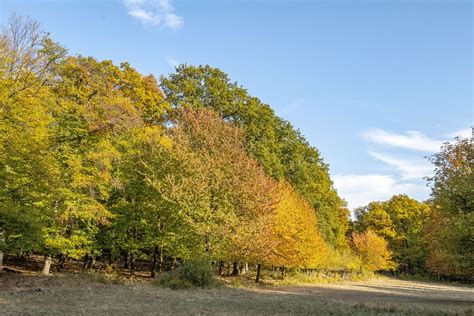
x=197 y=271
x=105 y=278
x=172 y=280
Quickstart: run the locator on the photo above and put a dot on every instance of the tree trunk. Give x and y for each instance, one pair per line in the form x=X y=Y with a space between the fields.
x=1 y=261
x=244 y=268
x=85 y=266
x=47 y=265
x=257 y=277
x=153 y=265
x=2 y=240
x=125 y=260
x=88 y=261
x=221 y=266
x=235 y=269
x=61 y=261
x=132 y=264
x=160 y=263
x=283 y=272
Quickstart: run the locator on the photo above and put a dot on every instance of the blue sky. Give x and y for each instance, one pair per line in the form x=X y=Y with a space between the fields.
x=374 y=85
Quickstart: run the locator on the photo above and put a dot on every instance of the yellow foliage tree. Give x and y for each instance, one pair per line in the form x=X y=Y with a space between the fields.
x=299 y=244
x=373 y=251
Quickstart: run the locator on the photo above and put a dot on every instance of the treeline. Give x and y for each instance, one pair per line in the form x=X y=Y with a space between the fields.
x=435 y=237
x=99 y=161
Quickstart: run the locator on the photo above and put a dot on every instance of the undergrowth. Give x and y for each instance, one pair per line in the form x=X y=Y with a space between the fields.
x=193 y=273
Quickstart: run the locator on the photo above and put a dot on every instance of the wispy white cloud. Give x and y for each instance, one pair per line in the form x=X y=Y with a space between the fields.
x=413 y=140
x=360 y=189
x=172 y=62
x=154 y=13
x=408 y=168
x=464 y=133
x=406 y=176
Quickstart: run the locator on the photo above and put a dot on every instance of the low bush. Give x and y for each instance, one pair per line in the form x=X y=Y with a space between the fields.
x=110 y=277
x=172 y=280
x=197 y=271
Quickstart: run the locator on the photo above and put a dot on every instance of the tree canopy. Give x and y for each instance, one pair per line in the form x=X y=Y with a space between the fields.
x=280 y=149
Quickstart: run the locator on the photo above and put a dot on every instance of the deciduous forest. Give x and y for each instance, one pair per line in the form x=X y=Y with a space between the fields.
x=103 y=165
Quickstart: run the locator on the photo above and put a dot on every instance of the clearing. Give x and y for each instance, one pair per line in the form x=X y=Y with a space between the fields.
x=67 y=294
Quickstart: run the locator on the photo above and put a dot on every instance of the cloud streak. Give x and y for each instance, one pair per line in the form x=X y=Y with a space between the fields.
x=360 y=189
x=464 y=133
x=154 y=13
x=408 y=168
x=412 y=140
x=406 y=175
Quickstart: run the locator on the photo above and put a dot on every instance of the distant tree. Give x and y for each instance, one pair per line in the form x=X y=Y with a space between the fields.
x=400 y=221
x=373 y=251
x=375 y=216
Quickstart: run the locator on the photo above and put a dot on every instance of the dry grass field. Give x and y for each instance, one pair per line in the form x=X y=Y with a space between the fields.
x=84 y=295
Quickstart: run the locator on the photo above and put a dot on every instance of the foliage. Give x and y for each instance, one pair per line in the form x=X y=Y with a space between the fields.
x=281 y=150
x=373 y=251
x=225 y=196
x=400 y=221
x=450 y=232
x=29 y=172
x=298 y=243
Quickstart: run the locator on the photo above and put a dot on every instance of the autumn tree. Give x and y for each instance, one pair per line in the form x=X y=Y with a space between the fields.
x=450 y=232
x=225 y=190
x=375 y=216
x=280 y=149
x=61 y=118
x=373 y=251
x=298 y=242
x=29 y=172
x=400 y=221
